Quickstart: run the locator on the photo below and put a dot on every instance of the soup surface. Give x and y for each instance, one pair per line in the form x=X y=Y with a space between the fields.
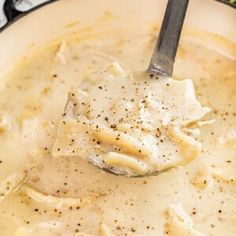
x=44 y=195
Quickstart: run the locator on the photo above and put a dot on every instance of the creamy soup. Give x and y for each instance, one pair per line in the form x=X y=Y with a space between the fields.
x=47 y=188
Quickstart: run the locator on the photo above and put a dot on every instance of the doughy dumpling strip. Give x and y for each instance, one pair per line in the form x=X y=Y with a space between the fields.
x=188 y=145
x=11 y=184
x=124 y=141
x=105 y=135
x=124 y=161
x=57 y=202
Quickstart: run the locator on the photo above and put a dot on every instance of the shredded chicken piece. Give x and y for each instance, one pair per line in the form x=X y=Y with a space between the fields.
x=11 y=184
x=205 y=176
x=4 y=124
x=115 y=69
x=45 y=228
x=194 y=132
x=202 y=178
x=190 y=148
x=205 y=122
x=179 y=222
x=218 y=175
x=83 y=234
x=23 y=232
x=105 y=231
x=61 y=53
x=58 y=202
x=229 y=139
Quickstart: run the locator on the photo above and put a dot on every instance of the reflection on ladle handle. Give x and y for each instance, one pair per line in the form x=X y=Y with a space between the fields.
x=163 y=58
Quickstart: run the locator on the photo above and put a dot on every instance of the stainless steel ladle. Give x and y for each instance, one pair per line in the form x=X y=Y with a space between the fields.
x=163 y=57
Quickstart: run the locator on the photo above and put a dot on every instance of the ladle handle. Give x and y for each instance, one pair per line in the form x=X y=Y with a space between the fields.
x=163 y=58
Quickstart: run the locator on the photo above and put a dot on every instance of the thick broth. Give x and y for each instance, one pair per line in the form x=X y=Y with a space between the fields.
x=32 y=100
